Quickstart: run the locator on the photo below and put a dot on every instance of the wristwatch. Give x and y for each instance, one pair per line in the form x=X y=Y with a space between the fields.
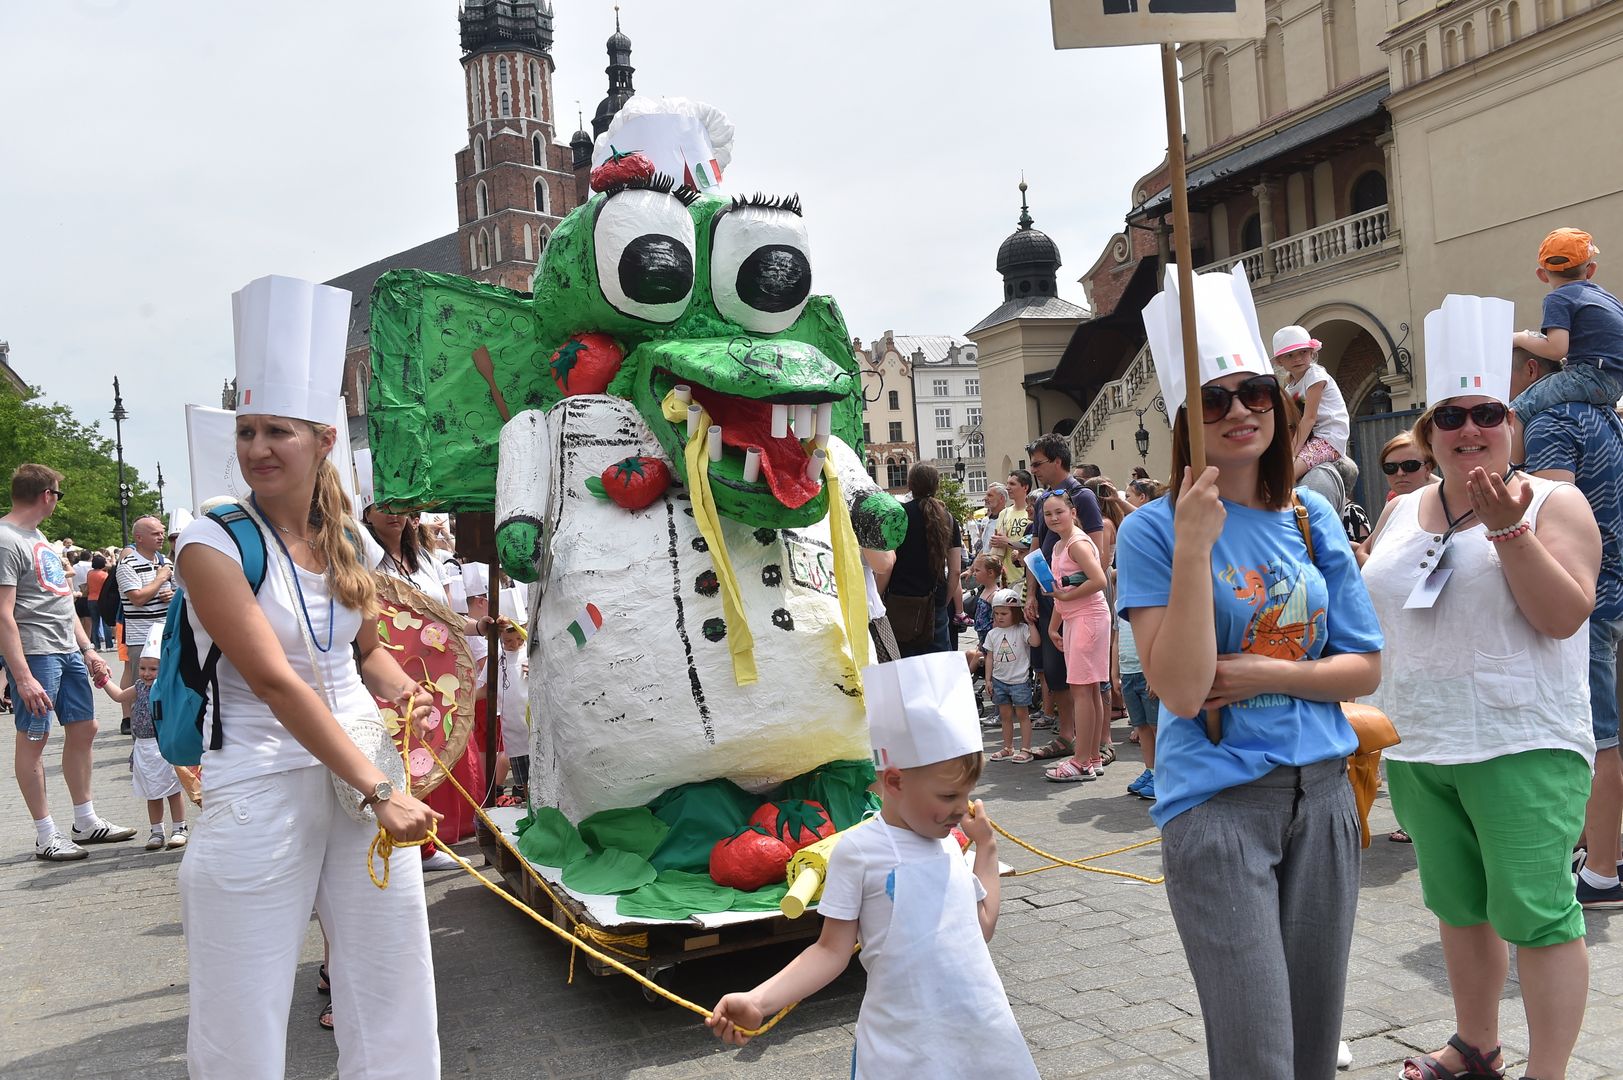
x=380 y=794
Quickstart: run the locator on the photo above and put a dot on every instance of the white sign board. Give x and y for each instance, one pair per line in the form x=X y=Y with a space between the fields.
x=1089 y=24
x=211 y=444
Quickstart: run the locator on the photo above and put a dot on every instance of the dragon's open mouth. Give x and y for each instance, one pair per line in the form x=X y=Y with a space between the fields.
x=747 y=422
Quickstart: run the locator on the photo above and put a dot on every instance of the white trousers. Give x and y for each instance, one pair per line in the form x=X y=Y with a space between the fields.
x=266 y=852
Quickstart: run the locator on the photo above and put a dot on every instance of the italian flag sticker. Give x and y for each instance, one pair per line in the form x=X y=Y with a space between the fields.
x=586 y=624
x=1467 y=381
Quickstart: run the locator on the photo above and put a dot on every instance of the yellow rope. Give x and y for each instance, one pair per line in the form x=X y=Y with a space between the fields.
x=1079 y=864
x=848 y=579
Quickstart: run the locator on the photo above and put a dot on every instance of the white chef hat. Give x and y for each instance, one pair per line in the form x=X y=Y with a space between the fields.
x=921 y=710
x=179 y=518
x=514 y=606
x=1226 y=332
x=476 y=579
x=364 y=492
x=153 y=649
x=1468 y=343
x=290 y=338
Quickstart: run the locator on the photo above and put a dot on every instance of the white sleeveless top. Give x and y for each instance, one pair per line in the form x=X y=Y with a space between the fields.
x=1469 y=679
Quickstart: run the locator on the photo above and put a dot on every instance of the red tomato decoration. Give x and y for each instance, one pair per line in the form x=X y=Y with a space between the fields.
x=586 y=363
x=750 y=859
x=619 y=168
x=636 y=481
x=796 y=822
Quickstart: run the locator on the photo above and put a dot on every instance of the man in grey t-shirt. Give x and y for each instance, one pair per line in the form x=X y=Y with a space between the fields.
x=49 y=665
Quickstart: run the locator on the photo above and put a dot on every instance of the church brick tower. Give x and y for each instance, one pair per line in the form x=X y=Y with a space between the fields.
x=514 y=183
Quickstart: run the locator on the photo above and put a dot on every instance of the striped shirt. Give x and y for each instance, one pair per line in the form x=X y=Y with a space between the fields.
x=1587 y=441
x=136 y=572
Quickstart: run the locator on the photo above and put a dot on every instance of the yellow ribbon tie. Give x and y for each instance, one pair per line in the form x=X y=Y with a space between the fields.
x=848 y=579
x=740 y=642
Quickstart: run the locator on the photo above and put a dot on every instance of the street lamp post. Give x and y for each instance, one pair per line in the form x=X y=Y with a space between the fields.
x=1142 y=437
x=160 y=490
x=959 y=469
x=119 y=416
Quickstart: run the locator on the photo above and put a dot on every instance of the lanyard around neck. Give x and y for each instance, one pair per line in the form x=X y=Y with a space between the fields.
x=304 y=609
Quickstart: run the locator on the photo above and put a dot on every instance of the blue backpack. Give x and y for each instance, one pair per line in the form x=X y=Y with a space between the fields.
x=184 y=686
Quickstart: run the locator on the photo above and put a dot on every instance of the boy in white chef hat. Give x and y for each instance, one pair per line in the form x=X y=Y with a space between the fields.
x=898 y=884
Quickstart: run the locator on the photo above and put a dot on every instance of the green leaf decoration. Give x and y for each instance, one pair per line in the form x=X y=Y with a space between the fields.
x=564 y=361
x=795 y=815
x=594 y=484
x=630 y=467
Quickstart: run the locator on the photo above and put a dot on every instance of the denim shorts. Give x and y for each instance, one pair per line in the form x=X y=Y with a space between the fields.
x=1142 y=710
x=1011 y=693
x=1604 y=639
x=67 y=683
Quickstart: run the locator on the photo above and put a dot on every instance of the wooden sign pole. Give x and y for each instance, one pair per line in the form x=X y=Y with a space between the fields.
x=1183 y=247
x=492 y=677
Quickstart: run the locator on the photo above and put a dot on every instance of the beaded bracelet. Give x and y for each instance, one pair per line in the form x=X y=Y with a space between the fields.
x=1511 y=532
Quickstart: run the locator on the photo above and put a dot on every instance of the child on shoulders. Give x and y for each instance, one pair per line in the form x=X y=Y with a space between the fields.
x=934 y=1005
x=1582 y=323
x=153 y=778
x=1325 y=425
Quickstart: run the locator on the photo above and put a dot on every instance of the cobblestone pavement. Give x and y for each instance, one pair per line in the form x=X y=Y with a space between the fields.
x=93 y=965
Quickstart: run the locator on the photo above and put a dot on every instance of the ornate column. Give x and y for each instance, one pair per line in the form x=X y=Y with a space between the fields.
x=1265 y=220
x=1388 y=147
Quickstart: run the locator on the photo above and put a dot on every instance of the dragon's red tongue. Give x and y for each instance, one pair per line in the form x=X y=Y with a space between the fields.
x=745 y=423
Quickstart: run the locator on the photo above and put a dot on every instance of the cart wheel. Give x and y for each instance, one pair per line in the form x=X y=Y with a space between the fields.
x=660 y=976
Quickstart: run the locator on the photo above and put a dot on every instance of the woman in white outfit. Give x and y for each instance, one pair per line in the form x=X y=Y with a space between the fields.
x=273 y=841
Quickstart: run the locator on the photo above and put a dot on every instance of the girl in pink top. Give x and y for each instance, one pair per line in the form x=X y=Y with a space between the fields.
x=1081 y=627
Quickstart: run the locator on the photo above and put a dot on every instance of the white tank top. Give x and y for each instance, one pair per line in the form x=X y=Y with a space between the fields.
x=1469 y=679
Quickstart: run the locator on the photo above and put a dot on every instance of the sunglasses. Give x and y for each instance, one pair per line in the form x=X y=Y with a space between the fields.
x=1260 y=394
x=1391 y=468
x=1489 y=414
x=54 y=491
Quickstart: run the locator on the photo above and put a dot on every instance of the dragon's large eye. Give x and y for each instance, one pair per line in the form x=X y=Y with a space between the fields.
x=760 y=270
x=644 y=245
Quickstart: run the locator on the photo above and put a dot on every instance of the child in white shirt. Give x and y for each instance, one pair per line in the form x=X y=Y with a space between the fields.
x=512 y=706
x=1321 y=435
x=152 y=778
x=1008 y=648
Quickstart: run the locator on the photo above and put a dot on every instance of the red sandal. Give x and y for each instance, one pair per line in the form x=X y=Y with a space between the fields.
x=1478 y=1066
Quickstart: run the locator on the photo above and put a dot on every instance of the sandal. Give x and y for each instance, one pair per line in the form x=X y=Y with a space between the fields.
x=325 y=1019
x=1005 y=754
x=1107 y=754
x=1398 y=836
x=323 y=983
x=1044 y=720
x=1070 y=771
x=1058 y=746
x=1020 y=757
x=1478 y=1065
x=1132 y=737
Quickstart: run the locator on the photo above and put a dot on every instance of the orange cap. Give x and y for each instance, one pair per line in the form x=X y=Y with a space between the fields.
x=1565 y=249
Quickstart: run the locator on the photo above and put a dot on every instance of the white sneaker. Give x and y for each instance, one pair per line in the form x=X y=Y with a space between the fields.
x=1344 y=1056
x=58 y=849
x=440 y=861
x=155 y=840
x=178 y=837
x=102 y=831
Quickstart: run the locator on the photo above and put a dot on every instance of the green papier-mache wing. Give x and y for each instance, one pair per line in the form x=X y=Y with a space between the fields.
x=634 y=829
x=435 y=423
x=547 y=837
x=608 y=872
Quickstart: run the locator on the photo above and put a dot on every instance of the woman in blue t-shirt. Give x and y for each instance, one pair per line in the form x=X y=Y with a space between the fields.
x=1261 y=837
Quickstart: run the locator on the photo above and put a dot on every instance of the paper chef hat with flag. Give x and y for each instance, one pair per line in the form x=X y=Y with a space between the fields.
x=153 y=649
x=1468 y=342
x=290 y=338
x=364 y=495
x=689 y=141
x=179 y=518
x=921 y=710
x=1226 y=332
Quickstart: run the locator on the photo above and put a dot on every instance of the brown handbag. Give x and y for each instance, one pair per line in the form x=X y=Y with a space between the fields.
x=912 y=618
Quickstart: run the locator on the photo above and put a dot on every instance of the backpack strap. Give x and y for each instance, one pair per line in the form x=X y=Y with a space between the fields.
x=1303 y=525
x=251 y=549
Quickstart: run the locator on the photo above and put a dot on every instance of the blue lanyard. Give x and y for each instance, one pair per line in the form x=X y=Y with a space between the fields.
x=303 y=607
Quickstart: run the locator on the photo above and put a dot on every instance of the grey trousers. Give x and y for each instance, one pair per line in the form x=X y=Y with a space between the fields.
x=1263 y=884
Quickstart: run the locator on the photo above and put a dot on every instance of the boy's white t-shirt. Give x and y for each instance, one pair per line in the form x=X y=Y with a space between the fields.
x=1010 y=650
x=856 y=886
x=1333 y=425
x=513 y=698
x=254 y=742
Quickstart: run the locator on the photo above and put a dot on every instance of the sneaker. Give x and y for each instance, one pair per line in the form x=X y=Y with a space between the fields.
x=59 y=849
x=1147 y=790
x=155 y=840
x=440 y=861
x=1599 y=899
x=124 y=726
x=178 y=837
x=102 y=832
x=1132 y=789
x=1343 y=1055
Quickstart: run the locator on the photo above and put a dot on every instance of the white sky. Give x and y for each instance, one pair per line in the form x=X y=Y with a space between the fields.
x=155 y=155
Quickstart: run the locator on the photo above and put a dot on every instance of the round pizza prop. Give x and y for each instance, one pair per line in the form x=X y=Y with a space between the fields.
x=425 y=637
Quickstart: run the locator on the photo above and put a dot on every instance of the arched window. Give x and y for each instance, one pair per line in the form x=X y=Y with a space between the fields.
x=501 y=71
x=497 y=234
x=541 y=196
x=535 y=89
x=1251 y=233
x=507 y=104
x=476 y=95
x=1468 y=36
x=538 y=155
x=1514 y=17
x=542 y=236
x=529 y=245
x=481 y=200
x=1368 y=191
x=484 y=249
x=873 y=471
x=1496 y=29
x=896 y=472
x=1273 y=70
x=1408 y=66
x=1451 y=48
x=1425 y=61
x=478 y=153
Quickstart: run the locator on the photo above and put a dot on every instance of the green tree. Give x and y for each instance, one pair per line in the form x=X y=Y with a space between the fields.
x=33 y=429
x=958 y=503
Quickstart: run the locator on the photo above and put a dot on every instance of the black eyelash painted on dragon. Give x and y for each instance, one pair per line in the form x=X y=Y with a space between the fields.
x=659 y=182
x=789 y=203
